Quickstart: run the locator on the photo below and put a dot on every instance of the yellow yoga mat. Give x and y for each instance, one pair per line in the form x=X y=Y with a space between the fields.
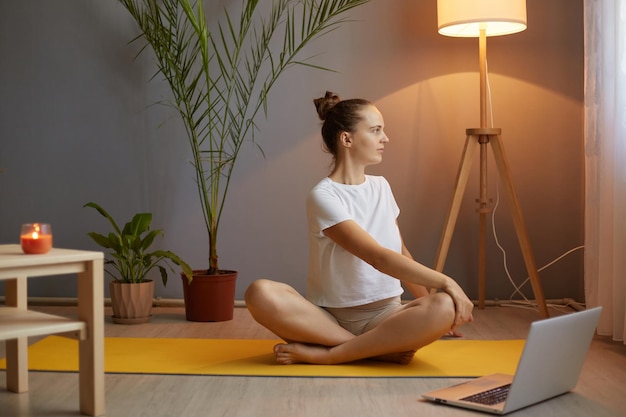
x=444 y=358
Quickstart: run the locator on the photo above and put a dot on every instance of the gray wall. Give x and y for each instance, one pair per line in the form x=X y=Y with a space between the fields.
x=77 y=125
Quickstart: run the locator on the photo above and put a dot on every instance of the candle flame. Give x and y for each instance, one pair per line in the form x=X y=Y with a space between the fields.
x=35 y=235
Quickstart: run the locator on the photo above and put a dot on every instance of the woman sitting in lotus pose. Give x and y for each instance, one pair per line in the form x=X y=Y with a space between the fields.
x=357 y=262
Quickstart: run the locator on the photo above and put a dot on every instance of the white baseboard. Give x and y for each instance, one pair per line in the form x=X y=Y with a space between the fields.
x=176 y=302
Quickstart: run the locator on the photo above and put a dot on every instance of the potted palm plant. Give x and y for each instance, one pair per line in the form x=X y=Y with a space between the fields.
x=220 y=80
x=129 y=262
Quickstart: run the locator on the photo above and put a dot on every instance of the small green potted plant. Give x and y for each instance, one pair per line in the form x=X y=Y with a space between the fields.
x=129 y=262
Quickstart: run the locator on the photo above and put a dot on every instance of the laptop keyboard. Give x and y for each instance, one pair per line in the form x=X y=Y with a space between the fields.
x=490 y=397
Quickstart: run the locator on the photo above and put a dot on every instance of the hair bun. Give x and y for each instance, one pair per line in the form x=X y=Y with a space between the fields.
x=324 y=104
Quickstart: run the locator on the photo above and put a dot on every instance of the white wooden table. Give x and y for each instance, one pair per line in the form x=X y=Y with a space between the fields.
x=17 y=323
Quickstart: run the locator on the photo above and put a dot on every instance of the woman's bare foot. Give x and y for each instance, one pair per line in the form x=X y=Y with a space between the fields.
x=291 y=353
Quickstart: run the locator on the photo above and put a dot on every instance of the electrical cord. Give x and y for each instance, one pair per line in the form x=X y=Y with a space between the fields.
x=525 y=302
x=517 y=288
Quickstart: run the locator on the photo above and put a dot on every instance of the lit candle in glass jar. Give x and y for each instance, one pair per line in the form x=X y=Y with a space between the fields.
x=36 y=238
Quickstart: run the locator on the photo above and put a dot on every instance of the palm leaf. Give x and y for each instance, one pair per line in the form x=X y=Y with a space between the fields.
x=220 y=80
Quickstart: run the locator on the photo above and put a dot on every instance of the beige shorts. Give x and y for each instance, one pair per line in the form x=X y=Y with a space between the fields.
x=359 y=319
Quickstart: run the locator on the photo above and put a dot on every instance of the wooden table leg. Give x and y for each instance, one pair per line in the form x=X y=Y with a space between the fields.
x=91 y=349
x=17 y=349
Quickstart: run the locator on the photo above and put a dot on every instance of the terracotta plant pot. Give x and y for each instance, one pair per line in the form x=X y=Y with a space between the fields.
x=210 y=297
x=132 y=303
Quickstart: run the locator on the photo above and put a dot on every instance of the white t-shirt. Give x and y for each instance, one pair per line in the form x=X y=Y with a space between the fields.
x=336 y=278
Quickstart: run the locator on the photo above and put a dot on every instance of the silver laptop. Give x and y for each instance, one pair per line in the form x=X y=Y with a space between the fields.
x=550 y=365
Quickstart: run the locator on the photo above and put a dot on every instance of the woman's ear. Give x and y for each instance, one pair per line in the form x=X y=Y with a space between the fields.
x=346 y=139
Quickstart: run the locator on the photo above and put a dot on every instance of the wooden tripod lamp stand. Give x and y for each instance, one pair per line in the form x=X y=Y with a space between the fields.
x=482 y=18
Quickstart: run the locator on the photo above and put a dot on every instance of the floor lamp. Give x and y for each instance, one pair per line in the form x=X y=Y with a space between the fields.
x=483 y=18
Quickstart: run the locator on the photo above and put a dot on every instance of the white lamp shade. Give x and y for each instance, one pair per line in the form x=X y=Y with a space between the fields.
x=465 y=18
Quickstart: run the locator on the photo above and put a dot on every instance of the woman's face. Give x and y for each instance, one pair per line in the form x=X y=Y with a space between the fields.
x=367 y=142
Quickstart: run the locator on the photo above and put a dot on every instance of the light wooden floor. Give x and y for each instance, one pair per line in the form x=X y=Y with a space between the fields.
x=601 y=390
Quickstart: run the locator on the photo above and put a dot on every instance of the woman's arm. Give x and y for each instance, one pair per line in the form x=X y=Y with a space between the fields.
x=417 y=290
x=350 y=236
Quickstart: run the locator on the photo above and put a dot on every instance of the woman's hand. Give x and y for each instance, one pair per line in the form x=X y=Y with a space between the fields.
x=463 y=305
